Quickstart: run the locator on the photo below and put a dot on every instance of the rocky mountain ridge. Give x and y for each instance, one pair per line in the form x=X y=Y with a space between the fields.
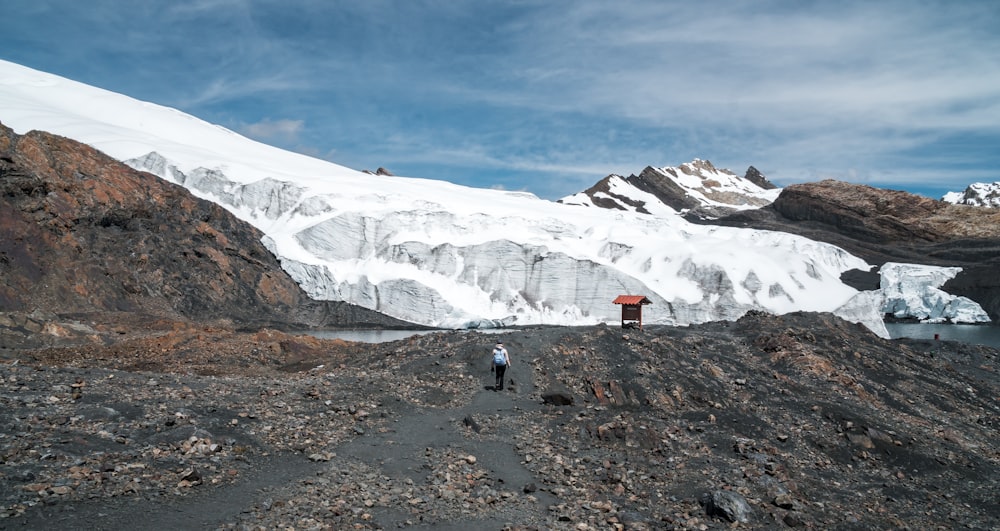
x=878 y=225
x=696 y=188
x=882 y=226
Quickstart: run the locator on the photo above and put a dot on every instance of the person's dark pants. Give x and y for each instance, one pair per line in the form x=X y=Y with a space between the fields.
x=500 y=370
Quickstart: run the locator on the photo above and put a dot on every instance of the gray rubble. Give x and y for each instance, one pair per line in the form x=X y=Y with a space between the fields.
x=799 y=421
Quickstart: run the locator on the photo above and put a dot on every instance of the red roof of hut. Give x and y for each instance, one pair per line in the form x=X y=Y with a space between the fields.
x=632 y=299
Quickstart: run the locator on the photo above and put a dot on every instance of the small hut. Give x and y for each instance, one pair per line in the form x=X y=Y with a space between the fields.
x=632 y=309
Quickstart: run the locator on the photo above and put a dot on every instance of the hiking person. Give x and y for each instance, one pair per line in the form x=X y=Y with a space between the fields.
x=499 y=364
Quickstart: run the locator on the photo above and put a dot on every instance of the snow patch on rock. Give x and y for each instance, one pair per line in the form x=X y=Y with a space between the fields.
x=977 y=194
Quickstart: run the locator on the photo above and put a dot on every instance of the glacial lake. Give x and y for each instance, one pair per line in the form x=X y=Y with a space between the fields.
x=976 y=334
x=368 y=336
x=967 y=333
x=384 y=336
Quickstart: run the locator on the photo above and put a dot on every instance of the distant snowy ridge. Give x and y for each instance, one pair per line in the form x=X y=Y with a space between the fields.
x=668 y=190
x=977 y=194
x=440 y=254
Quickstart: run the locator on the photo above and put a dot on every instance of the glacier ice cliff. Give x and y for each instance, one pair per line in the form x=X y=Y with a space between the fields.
x=912 y=291
x=512 y=259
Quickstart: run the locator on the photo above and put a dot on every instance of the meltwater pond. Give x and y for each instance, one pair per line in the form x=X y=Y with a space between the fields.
x=384 y=336
x=368 y=336
x=967 y=333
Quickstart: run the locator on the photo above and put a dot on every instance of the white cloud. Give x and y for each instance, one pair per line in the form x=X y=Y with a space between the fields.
x=573 y=90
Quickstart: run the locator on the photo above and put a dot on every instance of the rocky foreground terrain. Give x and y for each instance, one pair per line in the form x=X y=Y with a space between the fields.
x=802 y=421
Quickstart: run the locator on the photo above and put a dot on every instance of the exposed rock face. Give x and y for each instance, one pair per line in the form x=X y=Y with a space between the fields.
x=884 y=216
x=379 y=171
x=602 y=196
x=81 y=233
x=755 y=176
x=892 y=226
x=666 y=190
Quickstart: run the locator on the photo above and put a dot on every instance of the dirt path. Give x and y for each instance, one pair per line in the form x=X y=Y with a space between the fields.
x=402 y=450
x=206 y=511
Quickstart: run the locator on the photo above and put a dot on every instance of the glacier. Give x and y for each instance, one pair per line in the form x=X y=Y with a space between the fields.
x=912 y=291
x=516 y=259
x=444 y=255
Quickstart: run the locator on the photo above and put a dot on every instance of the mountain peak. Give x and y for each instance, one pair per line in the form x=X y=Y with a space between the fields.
x=698 y=165
x=696 y=187
x=755 y=176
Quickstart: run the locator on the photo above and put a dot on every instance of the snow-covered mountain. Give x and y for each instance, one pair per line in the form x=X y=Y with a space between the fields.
x=697 y=185
x=977 y=194
x=440 y=254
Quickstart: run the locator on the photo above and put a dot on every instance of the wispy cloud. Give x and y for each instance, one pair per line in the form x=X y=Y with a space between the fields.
x=223 y=90
x=559 y=92
x=267 y=129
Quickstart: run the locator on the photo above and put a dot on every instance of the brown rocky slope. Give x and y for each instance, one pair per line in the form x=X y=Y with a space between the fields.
x=88 y=239
x=888 y=225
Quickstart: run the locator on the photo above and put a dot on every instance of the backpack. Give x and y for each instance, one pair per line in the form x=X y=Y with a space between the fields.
x=498 y=357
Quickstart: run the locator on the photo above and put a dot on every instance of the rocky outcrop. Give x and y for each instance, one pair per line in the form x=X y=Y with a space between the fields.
x=755 y=176
x=652 y=181
x=379 y=171
x=602 y=195
x=882 y=226
x=82 y=234
x=884 y=216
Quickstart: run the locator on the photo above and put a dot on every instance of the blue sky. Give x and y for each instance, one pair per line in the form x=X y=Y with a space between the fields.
x=551 y=96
